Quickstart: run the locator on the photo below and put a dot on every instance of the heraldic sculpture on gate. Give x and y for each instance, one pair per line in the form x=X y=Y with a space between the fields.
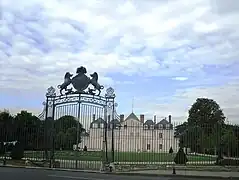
x=81 y=82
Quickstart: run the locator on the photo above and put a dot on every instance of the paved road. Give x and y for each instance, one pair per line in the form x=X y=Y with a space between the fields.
x=38 y=174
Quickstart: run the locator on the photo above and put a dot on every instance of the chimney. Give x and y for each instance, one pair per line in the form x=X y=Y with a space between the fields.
x=155 y=118
x=93 y=117
x=170 y=119
x=141 y=118
x=122 y=118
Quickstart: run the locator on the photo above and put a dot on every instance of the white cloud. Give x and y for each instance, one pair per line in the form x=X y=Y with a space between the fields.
x=40 y=40
x=180 y=78
x=179 y=103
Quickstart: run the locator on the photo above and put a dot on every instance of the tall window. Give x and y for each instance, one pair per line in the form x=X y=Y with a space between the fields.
x=160 y=146
x=160 y=135
x=148 y=146
x=125 y=126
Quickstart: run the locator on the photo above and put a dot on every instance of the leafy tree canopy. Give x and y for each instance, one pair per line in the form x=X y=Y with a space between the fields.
x=204 y=127
x=205 y=112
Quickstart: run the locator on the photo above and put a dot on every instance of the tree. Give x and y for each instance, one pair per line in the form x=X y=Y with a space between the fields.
x=61 y=140
x=180 y=157
x=65 y=122
x=27 y=129
x=191 y=138
x=180 y=129
x=6 y=126
x=205 y=113
x=230 y=143
x=181 y=133
x=205 y=121
x=68 y=132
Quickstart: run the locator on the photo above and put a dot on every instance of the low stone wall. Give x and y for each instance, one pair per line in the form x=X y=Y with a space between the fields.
x=140 y=167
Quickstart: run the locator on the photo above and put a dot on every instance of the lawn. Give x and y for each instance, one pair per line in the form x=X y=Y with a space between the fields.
x=119 y=156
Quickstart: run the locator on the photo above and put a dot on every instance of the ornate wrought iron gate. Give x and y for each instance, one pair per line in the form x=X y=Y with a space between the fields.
x=85 y=107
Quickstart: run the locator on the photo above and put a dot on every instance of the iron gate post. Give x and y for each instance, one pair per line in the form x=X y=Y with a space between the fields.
x=110 y=99
x=46 y=131
x=52 y=133
x=112 y=134
x=50 y=102
x=105 y=135
x=78 y=128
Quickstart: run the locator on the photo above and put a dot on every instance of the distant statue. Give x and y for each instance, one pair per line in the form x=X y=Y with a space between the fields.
x=66 y=83
x=94 y=82
x=80 y=82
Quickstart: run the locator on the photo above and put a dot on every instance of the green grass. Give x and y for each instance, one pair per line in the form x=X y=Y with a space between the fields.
x=119 y=156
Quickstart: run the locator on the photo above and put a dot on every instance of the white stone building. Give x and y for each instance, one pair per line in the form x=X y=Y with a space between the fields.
x=132 y=134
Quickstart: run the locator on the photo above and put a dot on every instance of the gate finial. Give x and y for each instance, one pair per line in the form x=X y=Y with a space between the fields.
x=51 y=91
x=110 y=92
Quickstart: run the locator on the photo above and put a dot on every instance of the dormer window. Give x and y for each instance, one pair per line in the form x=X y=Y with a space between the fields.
x=95 y=125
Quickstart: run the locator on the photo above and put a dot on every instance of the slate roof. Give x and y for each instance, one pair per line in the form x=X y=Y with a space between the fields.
x=100 y=121
x=97 y=121
x=162 y=124
x=115 y=121
x=149 y=122
x=163 y=121
x=132 y=116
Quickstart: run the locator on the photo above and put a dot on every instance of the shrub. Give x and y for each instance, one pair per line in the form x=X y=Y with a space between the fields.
x=85 y=148
x=17 y=152
x=2 y=148
x=171 y=150
x=180 y=157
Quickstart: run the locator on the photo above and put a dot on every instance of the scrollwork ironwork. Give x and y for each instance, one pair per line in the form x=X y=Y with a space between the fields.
x=110 y=104
x=50 y=103
x=67 y=100
x=93 y=100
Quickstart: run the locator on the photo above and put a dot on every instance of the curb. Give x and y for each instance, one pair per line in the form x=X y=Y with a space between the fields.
x=123 y=173
x=50 y=169
x=178 y=175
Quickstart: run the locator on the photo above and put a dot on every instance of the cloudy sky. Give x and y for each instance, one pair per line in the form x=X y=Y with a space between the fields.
x=162 y=53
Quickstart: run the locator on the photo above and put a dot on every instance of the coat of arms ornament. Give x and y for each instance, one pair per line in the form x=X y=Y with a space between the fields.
x=80 y=82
